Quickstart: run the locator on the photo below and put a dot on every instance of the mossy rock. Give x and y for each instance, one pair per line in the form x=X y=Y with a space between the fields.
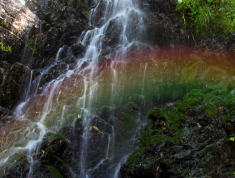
x=17 y=165
x=230 y=100
x=56 y=136
x=135 y=98
x=188 y=74
x=216 y=100
x=156 y=114
x=104 y=112
x=129 y=122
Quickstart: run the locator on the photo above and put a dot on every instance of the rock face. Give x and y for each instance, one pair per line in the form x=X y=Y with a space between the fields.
x=163 y=23
x=110 y=132
x=14 y=81
x=55 y=26
x=191 y=137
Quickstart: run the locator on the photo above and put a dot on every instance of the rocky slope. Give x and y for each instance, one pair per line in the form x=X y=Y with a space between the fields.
x=189 y=138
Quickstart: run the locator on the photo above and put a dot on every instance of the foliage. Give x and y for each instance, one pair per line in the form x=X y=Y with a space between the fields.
x=230 y=99
x=58 y=136
x=128 y=123
x=208 y=15
x=31 y=44
x=155 y=114
x=55 y=173
x=85 y=13
x=6 y=49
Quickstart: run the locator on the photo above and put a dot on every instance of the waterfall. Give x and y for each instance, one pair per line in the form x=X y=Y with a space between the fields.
x=114 y=35
x=118 y=18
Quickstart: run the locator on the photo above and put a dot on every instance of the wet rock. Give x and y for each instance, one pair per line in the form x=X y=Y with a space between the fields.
x=18 y=166
x=183 y=144
x=53 y=73
x=78 y=50
x=53 y=156
x=99 y=13
x=101 y=125
x=113 y=32
x=164 y=25
x=14 y=80
x=105 y=112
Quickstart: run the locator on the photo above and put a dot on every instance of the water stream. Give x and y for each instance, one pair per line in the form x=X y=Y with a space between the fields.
x=118 y=31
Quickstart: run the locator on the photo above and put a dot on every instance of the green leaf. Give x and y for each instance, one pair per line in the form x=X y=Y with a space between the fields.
x=231 y=138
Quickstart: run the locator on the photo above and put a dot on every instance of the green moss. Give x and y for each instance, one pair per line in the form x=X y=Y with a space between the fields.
x=135 y=158
x=160 y=139
x=194 y=94
x=163 y=138
x=209 y=113
x=210 y=107
x=69 y=118
x=167 y=160
x=232 y=113
x=128 y=123
x=196 y=91
x=230 y=100
x=224 y=120
x=187 y=103
x=155 y=114
x=85 y=13
x=216 y=100
x=118 y=137
x=219 y=92
x=55 y=173
x=185 y=171
x=146 y=136
x=104 y=111
x=175 y=115
x=136 y=99
x=58 y=136
x=209 y=96
x=187 y=73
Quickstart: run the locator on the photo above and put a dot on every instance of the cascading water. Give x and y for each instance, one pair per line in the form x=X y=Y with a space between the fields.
x=116 y=32
x=118 y=13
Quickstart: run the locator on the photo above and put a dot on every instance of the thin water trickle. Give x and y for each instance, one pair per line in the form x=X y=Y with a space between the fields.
x=107 y=154
x=62 y=117
x=59 y=53
x=29 y=87
x=145 y=67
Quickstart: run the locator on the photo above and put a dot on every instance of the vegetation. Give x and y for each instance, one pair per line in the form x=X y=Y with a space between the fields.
x=58 y=136
x=208 y=15
x=6 y=48
x=31 y=44
x=55 y=173
x=168 y=125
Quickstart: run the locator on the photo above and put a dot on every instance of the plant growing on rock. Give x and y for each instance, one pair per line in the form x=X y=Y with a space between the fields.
x=208 y=15
x=5 y=48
